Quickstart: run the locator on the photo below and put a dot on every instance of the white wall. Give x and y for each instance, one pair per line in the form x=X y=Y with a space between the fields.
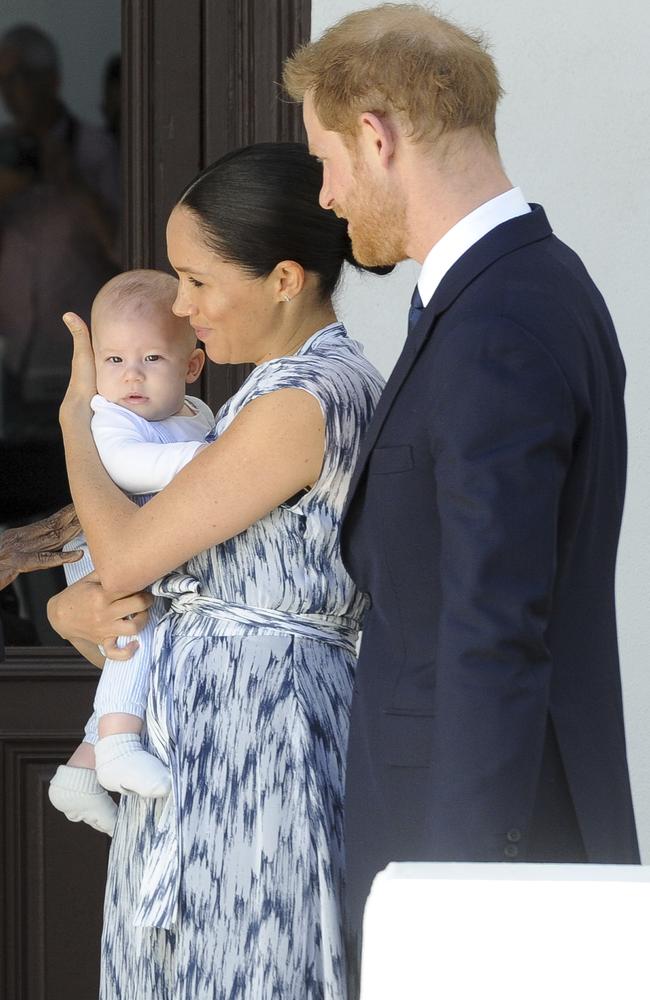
x=574 y=134
x=86 y=34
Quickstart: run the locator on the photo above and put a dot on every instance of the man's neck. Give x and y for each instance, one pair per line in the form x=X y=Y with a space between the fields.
x=442 y=191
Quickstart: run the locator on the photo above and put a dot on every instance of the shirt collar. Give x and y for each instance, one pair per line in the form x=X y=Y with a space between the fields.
x=444 y=254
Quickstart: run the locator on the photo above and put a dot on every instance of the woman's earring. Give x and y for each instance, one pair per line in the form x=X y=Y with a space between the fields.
x=287 y=298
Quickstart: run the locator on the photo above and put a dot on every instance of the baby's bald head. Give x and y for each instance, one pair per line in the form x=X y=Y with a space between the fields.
x=144 y=354
x=141 y=293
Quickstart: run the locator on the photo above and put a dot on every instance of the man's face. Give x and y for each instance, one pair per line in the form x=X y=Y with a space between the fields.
x=338 y=192
x=357 y=189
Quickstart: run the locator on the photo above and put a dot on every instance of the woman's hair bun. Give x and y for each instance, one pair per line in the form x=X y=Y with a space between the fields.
x=381 y=269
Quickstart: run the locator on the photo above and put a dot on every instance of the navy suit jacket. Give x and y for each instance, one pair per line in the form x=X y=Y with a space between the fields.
x=483 y=521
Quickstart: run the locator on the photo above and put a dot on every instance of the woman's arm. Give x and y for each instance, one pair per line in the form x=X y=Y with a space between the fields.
x=273 y=449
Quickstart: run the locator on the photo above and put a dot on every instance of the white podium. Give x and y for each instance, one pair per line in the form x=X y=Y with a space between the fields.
x=484 y=931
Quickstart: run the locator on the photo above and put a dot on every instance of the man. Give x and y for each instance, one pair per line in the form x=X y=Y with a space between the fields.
x=484 y=516
x=59 y=201
x=68 y=151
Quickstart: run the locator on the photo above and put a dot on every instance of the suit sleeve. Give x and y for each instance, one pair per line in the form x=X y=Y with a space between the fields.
x=501 y=434
x=135 y=465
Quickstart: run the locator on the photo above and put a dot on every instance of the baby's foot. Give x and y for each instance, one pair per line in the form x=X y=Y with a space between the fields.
x=123 y=766
x=76 y=792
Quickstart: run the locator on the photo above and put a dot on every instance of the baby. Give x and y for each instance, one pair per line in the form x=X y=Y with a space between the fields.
x=145 y=429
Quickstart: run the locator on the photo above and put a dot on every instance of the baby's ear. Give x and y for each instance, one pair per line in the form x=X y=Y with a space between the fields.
x=195 y=365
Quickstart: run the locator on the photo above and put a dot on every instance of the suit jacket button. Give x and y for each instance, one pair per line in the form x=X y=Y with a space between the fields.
x=511 y=851
x=514 y=836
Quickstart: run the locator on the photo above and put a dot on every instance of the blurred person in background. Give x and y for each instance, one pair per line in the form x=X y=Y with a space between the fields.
x=59 y=204
x=59 y=207
x=70 y=151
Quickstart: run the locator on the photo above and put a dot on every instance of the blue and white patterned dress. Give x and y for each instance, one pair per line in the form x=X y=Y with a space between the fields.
x=231 y=889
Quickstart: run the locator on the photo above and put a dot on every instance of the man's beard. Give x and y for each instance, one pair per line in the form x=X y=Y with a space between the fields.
x=378 y=223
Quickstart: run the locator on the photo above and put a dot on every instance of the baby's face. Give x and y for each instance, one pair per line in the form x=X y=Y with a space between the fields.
x=142 y=363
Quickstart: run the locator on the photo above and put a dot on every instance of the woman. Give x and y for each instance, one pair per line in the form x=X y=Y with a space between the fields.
x=235 y=881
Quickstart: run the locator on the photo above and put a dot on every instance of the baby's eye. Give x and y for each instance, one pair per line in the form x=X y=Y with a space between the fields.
x=193 y=281
x=153 y=357
x=114 y=359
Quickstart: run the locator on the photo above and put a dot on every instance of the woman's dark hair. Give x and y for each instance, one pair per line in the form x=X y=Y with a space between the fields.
x=259 y=205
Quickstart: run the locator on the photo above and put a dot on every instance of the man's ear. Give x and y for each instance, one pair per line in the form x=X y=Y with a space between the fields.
x=378 y=134
x=195 y=365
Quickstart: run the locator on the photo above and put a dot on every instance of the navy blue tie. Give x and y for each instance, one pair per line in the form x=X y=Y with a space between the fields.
x=416 y=309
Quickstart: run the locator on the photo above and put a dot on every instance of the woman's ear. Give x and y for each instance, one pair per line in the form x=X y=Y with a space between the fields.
x=289 y=280
x=195 y=365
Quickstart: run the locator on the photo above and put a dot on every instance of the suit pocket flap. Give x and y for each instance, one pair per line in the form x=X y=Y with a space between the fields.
x=398 y=458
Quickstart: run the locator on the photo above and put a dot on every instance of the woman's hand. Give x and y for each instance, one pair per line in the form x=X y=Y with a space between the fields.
x=85 y=611
x=38 y=545
x=83 y=380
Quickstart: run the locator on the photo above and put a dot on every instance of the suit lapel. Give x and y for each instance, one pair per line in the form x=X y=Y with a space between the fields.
x=506 y=238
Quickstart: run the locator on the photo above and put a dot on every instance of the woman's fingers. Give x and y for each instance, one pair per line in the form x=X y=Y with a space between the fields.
x=84 y=611
x=130 y=625
x=76 y=326
x=82 y=348
x=135 y=604
x=115 y=652
x=82 y=375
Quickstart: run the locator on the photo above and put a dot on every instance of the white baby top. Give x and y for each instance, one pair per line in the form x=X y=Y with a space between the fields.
x=129 y=445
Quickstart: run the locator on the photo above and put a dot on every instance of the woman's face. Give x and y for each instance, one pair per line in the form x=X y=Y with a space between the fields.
x=234 y=314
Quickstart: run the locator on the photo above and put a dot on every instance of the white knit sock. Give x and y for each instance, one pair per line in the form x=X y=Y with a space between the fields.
x=76 y=792
x=123 y=766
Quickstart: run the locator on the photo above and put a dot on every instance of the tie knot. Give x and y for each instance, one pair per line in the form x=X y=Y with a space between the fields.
x=416 y=309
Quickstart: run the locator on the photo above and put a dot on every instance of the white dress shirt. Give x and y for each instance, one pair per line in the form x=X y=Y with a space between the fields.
x=444 y=254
